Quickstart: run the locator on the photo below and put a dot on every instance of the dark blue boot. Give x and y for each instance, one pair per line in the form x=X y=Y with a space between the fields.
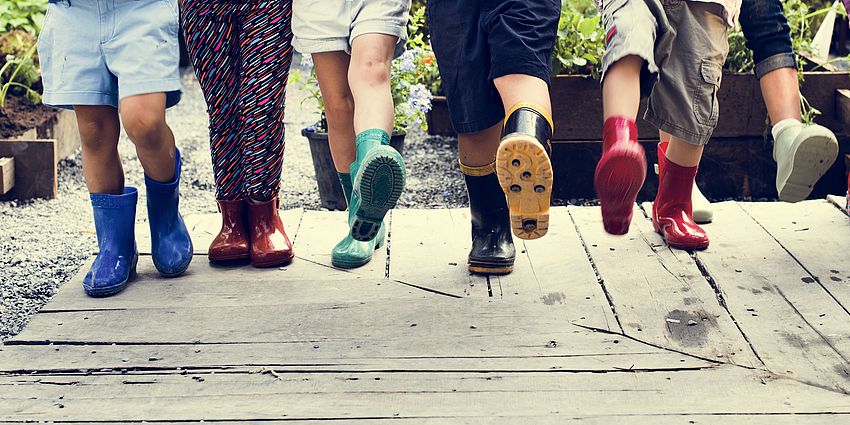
x=171 y=246
x=115 y=221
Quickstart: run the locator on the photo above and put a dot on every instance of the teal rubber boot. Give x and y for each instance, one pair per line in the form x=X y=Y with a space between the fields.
x=349 y=253
x=378 y=176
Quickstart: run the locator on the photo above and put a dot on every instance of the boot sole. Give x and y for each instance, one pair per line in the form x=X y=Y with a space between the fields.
x=525 y=175
x=487 y=267
x=115 y=289
x=618 y=180
x=380 y=183
x=812 y=159
x=683 y=246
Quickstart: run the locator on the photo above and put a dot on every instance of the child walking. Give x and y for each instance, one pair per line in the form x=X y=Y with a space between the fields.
x=352 y=44
x=495 y=63
x=241 y=52
x=116 y=62
x=675 y=50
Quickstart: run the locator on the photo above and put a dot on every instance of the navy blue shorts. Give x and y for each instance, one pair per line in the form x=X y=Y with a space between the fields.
x=477 y=41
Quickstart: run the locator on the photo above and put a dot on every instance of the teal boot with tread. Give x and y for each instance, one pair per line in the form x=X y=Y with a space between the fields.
x=350 y=253
x=378 y=177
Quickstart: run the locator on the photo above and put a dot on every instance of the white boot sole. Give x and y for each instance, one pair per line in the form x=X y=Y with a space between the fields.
x=812 y=158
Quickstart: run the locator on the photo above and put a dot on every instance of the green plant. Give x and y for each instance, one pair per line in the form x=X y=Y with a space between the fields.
x=19 y=72
x=27 y=15
x=581 y=40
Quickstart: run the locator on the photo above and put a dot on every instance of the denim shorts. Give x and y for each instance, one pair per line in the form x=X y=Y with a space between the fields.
x=477 y=41
x=684 y=46
x=331 y=25
x=768 y=35
x=96 y=52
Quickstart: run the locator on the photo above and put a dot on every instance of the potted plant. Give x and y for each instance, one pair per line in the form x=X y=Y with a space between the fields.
x=411 y=98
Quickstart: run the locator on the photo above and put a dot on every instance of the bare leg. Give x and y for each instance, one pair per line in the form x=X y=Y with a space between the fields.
x=99 y=131
x=683 y=153
x=780 y=89
x=332 y=72
x=143 y=117
x=621 y=88
x=369 y=78
x=477 y=149
x=516 y=88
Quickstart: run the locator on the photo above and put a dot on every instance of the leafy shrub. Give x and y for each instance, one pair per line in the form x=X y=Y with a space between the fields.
x=26 y=15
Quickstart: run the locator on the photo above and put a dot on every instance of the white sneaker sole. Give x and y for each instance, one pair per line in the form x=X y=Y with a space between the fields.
x=812 y=158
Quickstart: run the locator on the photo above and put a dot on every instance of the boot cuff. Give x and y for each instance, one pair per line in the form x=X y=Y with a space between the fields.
x=539 y=110
x=155 y=186
x=103 y=200
x=477 y=171
x=373 y=134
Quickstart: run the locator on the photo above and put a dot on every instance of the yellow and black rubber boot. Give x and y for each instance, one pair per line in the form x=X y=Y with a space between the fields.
x=493 y=249
x=524 y=168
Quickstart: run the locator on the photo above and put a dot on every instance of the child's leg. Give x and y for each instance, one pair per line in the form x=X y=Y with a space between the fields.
x=265 y=56
x=683 y=104
x=477 y=114
x=99 y=131
x=143 y=117
x=378 y=172
x=332 y=73
x=803 y=153
x=631 y=27
x=521 y=37
x=369 y=79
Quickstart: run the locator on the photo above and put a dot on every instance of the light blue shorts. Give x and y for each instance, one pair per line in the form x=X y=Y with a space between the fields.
x=95 y=52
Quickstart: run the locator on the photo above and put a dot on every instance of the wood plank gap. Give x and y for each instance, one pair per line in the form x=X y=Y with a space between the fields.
x=722 y=300
x=802 y=266
x=598 y=276
x=812 y=327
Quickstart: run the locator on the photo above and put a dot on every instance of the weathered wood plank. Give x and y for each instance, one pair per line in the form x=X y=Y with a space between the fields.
x=795 y=327
x=560 y=351
x=203 y=228
x=727 y=390
x=554 y=270
x=429 y=248
x=35 y=168
x=7 y=175
x=659 y=294
x=817 y=235
x=321 y=230
x=643 y=419
x=407 y=319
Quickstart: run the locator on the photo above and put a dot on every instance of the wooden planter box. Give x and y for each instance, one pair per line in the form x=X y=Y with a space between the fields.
x=34 y=156
x=738 y=162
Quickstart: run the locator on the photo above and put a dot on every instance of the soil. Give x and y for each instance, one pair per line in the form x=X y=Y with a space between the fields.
x=20 y=115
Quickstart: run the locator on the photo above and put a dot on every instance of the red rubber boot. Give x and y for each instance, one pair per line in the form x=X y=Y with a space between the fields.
x=672 y=212
x=270 y=247
x=232 y=241
x=619 y=174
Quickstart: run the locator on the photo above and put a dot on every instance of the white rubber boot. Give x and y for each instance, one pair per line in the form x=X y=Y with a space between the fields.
x=703 y=212
x=803 y=155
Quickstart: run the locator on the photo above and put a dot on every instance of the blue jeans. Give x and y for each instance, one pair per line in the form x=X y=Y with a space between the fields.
x=768 y=35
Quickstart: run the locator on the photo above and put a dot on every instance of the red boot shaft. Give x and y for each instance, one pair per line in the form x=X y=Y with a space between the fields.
x=233 y=241
x=270 y=247
x=619 y=174
x=672 y=212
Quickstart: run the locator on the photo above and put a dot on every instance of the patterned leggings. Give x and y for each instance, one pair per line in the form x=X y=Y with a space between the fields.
x=241 y=53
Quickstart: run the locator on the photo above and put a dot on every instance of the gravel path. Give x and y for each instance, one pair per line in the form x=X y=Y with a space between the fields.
x=44 y=243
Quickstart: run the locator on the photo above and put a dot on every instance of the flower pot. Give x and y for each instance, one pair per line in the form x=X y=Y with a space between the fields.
x=439 y=120
x=330 y=191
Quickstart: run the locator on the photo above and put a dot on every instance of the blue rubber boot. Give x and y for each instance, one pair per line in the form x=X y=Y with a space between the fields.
x=349 y=253
x=378 y=176
x=171 y=246
x=115 y=264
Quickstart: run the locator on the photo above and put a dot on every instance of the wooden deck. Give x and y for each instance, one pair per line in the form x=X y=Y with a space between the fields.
x=589 y=328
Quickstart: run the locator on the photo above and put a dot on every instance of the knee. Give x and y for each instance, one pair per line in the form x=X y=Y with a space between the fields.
x=373 y=67
x=144 y=127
